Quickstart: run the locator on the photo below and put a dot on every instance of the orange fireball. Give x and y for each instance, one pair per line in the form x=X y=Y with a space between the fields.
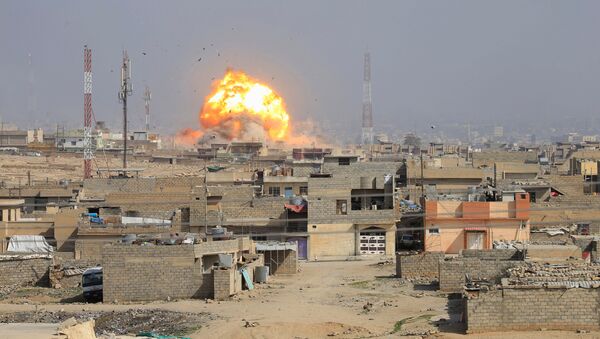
x=239 y=102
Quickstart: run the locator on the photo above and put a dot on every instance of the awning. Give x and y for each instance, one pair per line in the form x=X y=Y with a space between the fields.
x=276 y=246
x=475 y=229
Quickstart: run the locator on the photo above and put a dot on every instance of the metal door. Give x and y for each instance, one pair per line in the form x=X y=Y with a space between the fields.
x=302 y=247
x=475 y=240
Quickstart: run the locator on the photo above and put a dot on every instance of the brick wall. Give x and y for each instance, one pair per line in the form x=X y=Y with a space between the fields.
x=237 y=202
x=90 y=248
x=453 y=272
x=223 y=283
x=494 y=254
x=526 y=309
x=224 y=246
x=422 y=265
x=142 y=273
x=21 y=271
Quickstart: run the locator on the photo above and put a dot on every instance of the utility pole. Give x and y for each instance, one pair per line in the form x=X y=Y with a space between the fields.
x=422 y=167
x=126 y=90
x=88 y=153
x=147 y=98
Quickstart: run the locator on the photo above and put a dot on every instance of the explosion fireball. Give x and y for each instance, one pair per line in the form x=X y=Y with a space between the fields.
x=239 y=104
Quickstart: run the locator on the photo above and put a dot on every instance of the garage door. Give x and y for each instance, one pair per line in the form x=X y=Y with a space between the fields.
x=372 y=241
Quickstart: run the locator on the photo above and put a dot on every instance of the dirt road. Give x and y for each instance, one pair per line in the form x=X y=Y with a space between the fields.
x=354 y=299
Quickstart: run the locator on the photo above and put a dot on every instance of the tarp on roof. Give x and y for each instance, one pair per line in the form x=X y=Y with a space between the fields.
x=295 y=208
x=29 y=244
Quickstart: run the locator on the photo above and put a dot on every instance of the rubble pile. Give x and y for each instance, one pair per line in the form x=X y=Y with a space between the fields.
x=132 y=321
x=537 y=274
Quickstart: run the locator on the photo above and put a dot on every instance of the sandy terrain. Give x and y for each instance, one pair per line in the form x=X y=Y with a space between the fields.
x=14 y=168
x=355 y=299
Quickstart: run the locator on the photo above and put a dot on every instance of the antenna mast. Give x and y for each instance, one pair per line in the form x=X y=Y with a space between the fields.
x=147 y=98
x=367 y=112
x=88 y=152
x=125 y=91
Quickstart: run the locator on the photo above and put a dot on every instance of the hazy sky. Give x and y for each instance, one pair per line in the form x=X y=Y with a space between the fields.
x=434 y=62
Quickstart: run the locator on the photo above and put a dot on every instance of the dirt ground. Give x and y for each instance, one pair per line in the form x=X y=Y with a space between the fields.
x=343 y=299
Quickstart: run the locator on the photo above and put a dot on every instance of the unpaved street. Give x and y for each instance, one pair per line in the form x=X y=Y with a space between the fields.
x=343 y=299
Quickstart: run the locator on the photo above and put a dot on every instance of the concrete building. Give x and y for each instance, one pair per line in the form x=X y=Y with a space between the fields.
x=351 y=209
x=209 y=269
x=451 y=226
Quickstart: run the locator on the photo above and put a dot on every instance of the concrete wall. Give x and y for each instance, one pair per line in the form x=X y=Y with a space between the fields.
x=331 y=240
x=527 y=309
x=22 y=271
x=144 y=273
x=237 y=206
x=453 y=272
x=451 y=236
x=422 y=265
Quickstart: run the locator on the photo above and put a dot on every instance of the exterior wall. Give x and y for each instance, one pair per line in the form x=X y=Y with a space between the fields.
x=452 y=234
x=90 y=248
x=22 y=271
x=294 y=185
x=423 y=265
x=343 y=239
x=452 y=272
x=527 y=309
x=224 y=284
x=331 y=240
x=144 y=273
x=65 y=229
x=281 y=262
x=160 y=205
x=237 y=206
x=502 y=221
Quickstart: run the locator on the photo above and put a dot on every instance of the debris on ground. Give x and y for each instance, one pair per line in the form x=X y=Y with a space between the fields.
x=132 y=321
x=77 y=330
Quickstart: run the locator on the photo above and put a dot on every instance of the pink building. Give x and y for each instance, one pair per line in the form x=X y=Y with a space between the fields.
x=451 y=226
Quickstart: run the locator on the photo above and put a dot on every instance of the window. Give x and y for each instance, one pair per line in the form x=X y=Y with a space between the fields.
x=341 y=207
x=303 y=190
x=344 y=161
x=73 y=143
x=274 y=191
x=532 y=197
x=434 y=231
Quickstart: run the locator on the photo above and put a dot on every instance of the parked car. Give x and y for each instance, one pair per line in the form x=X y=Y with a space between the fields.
x=409 y=241
x=91 y=281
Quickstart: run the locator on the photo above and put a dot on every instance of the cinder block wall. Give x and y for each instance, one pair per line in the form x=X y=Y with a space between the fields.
x=527 y=309
x=488 y=265
x=20 y=271
x=143 y=273
x=224 y=283
x=494 y=254
x=422 y=265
